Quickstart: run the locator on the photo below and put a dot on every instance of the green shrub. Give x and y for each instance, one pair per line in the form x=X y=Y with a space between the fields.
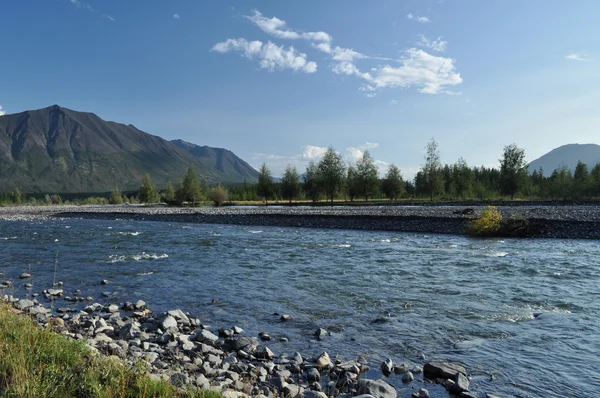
x=219 y=195
x=115 y=197
x=488 y=224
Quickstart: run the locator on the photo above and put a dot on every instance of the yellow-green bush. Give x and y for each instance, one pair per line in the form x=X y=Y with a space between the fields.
x=488 y=224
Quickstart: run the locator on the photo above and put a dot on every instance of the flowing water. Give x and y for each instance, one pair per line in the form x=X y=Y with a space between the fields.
x=522 y=315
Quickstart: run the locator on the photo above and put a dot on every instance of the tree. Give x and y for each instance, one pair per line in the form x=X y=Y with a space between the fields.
x=189 y=189
x=513 y=170
x=312 y=185
x=265 y=183
x=595 y=181
x=366 y=172
x=462 y=178
x=432 y=171
x=290 y=184
x=561 y=182
x=169 y=193
x=115 y=197
x=17 y=196
x=147 y=193
x=352 y=183
x=392 y=185
x=219 y=195
x=581 y=180
x=331 y=172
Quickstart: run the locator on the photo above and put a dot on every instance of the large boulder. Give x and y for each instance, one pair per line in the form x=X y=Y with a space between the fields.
x=166 y=321
x=376 y=388
x=23 y=304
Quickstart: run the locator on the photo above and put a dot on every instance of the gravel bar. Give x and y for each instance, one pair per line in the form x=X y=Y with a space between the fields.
x=556 y=221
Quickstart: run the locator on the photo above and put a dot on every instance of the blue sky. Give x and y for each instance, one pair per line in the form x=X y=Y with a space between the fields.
x=279 y=81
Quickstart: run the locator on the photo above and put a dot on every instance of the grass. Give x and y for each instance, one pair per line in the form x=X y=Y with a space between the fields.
x=37 y=362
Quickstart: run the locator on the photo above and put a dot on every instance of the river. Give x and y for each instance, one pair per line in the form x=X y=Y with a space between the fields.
x=521 y=315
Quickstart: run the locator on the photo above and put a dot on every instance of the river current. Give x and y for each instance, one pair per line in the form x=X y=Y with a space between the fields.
x=521 y=315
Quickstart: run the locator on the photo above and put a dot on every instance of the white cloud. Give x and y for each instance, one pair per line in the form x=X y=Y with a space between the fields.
x=2 y=112
x=437 y=45
x=278 y=28
x=108 y=17
x=176 y=16
x=429 y=73
x=81 y=4
x=265 y=156
x=311 y=152
x=270 y=55
x=578 y=57
x=418 y=18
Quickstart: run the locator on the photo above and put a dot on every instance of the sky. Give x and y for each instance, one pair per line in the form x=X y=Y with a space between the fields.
x=280 y=81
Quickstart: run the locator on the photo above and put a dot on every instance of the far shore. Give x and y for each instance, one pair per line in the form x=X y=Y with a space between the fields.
x=550 y=221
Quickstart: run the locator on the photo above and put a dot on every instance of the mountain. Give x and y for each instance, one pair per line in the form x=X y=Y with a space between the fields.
x=220 y=159
x=567 y=155
x=56 y=149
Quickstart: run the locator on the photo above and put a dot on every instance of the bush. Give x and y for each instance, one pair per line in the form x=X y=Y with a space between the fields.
x=219 y=195
x=115 y=197
x=488 y=224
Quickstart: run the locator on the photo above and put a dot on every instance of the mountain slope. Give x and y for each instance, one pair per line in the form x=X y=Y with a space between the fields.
x=56 y=149
x=567 y=155
x=220 y=159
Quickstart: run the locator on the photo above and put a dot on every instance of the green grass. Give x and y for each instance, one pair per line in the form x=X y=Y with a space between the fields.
x=36 y=362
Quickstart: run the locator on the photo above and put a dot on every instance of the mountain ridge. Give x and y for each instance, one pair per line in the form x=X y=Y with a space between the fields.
x=56 y=149
x=567 y=155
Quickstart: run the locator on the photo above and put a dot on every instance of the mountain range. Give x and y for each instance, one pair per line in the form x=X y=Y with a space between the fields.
x=567 y=155
x=58 y=150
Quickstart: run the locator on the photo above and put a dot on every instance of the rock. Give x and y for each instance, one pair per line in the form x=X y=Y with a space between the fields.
x=444 y=370
x=56 y=323
x=104 y=282
x=129 y=331
x=461 y=383
x=247 y=344
x=376 y=388
x=291 y=390
x=202 y=382
x=112 y=308
x=27 y=285
x=204 y=336
x=55 y=292
x=180 y=316
x=312 y=375
x=25 y=275
x=278 y=382
x=407 y=377
x=314 y=394
x=226 y=333
x=466 y=394
x=180 y=379
x=237 y=330
x=264 y=336
x=140 y=305
x=297 y=358
x=23 y=304
x=285 y=317
x=323 y=361
x=283 y=339
x=417 y=369
x=387 y=366
x=166 y=322
x=321 y=333
x=263 y=352
x=423 y=393
x=400 y=368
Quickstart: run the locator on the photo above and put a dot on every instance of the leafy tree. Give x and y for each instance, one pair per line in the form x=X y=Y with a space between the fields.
x=462 y=177
x=219 y=195
x=513 y=170
x=392 y=185
x=265 y=183
x=290 y=184
x=366 y=172
x=17 y=196
x=331 y=171
x=581 y=180
x=312 y=185
x=168 y=195
x=116 y=198
x=561 y=182
x=432 y=171
x=56 y=199
x=147 y=192
x=189 y=189
x=595 y=181
x=352 y=183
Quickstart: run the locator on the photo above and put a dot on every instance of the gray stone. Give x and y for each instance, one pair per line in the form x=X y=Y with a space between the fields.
x=376 y=388
x=180 y=379
x=202 y=382
x=407 y=377
x=466 y=394
x=247 y=344
x=204 y=336
x=166 y=322
x=285 y=317
x=423 y=393
x=112 y=308
x=387 y=366
x=313 y=374
x=461 y=383
x=417 y=369
x=400 y=368
x=23 y=304
x=297 y=358
x=324 y=361
x=237 y=330
x=56 y=292
x=264 y=336
x=321 y=333
x=25 y=275
x=263 y=352
x=291 y=390
x=444 y=370
x=179 y=315
x=104 y=282
x=129 y=331
x=314 y=394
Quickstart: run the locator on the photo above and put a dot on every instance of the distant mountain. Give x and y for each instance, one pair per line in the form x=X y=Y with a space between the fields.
x=56 y=149
x=220 y=159
x=567 y=155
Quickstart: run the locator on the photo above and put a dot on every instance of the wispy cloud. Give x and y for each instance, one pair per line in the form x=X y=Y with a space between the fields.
x=417 y=68
x=418 y=18
x=2 y=112
x=437 y=45
x=270 y=55
x=83 y=5
x=578 y=57
x=108 y=17
x=176 y=16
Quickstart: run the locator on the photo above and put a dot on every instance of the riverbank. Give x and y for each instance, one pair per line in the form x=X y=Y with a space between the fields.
x=556 y=221
x=180 y=350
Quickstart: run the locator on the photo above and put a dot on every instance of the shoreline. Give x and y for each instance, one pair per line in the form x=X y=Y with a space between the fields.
x=557 y=221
